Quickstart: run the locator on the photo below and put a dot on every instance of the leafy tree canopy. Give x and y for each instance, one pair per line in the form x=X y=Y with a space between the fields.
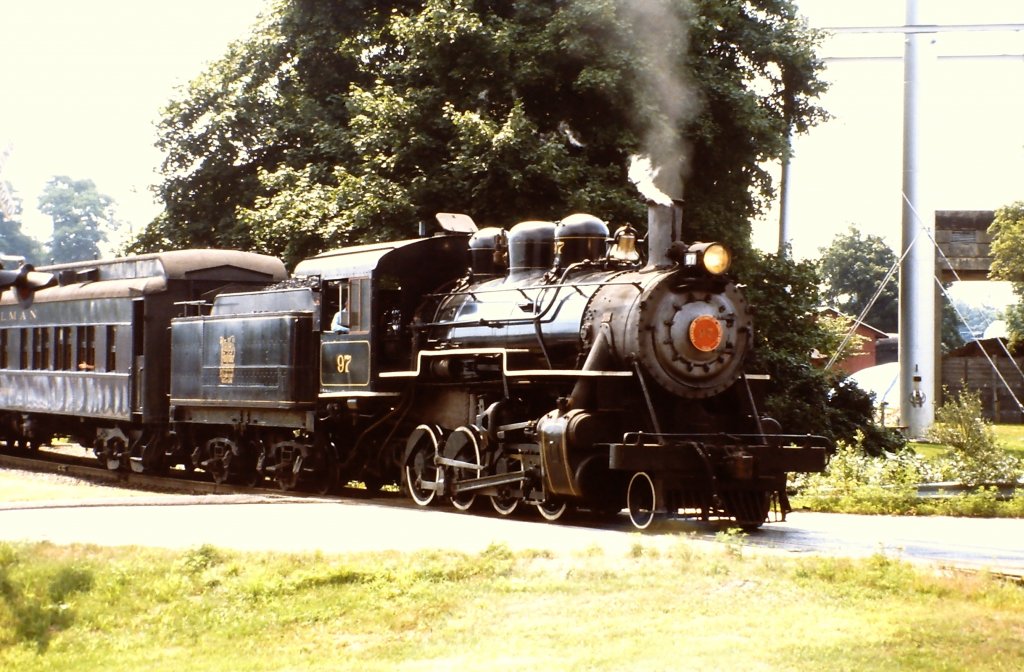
x=13 y=241
x=785 y=296
x=81 y=217
x=853 y=268
x=1007 y=231
x=349 y=121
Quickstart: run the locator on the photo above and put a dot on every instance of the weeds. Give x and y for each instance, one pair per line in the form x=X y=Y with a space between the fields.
x=733 y=539
x=856 y=482
x=34 y=600
x=974 y=456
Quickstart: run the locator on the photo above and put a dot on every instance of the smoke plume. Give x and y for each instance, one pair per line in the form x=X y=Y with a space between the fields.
x=665 y=90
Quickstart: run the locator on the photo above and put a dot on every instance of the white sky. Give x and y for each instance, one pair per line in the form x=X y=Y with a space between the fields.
x=84 y=82
x=849 y=170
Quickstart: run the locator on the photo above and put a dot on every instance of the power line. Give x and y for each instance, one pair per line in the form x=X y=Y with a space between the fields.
x=950 y=57
x=930 y=28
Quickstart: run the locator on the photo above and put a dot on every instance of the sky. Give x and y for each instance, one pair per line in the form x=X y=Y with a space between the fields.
x=83 y=85
x=848 y=171
x=84 y=82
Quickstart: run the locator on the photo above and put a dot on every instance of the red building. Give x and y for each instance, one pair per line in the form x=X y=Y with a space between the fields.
x=861 y=358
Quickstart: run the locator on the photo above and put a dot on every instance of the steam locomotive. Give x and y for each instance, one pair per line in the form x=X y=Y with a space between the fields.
x=549 y=365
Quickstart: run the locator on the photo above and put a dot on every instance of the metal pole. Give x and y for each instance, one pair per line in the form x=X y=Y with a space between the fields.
x=784 y=190
x=917 y=271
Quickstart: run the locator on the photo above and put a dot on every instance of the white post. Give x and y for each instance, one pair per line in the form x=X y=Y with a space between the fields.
x=917 y=272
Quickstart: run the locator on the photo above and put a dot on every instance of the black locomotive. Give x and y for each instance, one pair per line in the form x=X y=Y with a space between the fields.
x=549 y=365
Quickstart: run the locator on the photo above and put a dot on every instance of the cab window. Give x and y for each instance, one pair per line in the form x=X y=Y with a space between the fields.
x=343 y=302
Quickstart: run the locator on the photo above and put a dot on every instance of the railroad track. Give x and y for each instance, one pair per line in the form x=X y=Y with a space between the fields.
x=176 y=481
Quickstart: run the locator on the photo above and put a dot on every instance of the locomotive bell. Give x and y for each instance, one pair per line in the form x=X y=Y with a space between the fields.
x=623 y=247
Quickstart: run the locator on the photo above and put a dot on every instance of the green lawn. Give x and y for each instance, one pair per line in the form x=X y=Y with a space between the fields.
x=82 y=608
x=1009 y=437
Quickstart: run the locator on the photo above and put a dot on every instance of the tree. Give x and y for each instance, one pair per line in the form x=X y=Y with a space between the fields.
x=13 y=241
x=1007 y=231
x=784 y=293
x=347 y=121
x=853 y=269
x=81 y=215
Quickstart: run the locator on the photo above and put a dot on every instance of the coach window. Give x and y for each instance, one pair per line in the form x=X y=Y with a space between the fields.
x=86 y=348
x=62 y=349
x=46 y=349
x=25 y=349
x=111 y=347
x=41 y=349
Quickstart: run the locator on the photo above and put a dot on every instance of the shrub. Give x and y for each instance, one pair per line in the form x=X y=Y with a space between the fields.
x=856 y=482
x=974 y=456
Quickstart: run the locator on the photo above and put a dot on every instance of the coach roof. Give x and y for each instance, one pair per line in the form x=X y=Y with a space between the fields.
x=149 y=273
x=174 y=265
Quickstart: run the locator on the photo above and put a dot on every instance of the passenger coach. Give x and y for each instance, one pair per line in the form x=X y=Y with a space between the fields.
x=90 y=357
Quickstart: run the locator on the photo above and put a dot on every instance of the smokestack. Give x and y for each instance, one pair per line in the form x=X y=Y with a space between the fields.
x=664 y=227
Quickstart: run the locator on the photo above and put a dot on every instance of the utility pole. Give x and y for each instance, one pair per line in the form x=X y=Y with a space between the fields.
x=917 y=268
x=784 y=191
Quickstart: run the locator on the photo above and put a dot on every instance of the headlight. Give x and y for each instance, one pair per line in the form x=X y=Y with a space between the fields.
x=716 y=259
x=710 y=258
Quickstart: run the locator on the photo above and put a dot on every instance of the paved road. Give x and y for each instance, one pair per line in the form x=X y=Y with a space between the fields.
x=332 y=526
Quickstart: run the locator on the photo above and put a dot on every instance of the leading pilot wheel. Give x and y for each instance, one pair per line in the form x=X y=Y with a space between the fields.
x=749 y=509
x=552 y=509
x=641 y=500
x=419 y=466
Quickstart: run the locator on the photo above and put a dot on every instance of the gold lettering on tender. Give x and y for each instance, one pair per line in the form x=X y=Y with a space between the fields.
x=227 y=360
x=343 y=362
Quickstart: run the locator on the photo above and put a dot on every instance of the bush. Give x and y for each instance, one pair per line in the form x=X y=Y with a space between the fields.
x=974 y=456
x=855 y=482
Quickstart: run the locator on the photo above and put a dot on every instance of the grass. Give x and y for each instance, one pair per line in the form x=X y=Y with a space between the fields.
x=81 y=608
x=1011 y=438
x=1008 y=437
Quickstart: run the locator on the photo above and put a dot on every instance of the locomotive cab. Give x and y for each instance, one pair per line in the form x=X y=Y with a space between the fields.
x=369 y=296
